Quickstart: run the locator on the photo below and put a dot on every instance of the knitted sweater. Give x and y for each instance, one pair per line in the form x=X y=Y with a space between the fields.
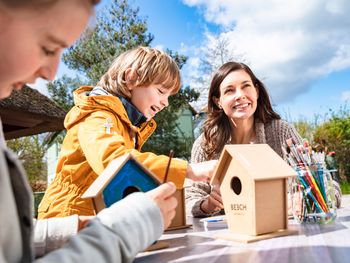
x=273 y=133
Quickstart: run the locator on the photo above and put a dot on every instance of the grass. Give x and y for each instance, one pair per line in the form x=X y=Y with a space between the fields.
x=345 y=188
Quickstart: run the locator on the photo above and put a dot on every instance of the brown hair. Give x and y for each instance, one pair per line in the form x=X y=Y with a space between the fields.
x=149 y=65
x=217 y=128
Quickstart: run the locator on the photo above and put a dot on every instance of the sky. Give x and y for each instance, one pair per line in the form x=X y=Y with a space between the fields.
x=299 y=49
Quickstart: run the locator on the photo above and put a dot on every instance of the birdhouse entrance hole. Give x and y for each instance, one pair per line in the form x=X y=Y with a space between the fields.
x=236 y=185
x=130 y=190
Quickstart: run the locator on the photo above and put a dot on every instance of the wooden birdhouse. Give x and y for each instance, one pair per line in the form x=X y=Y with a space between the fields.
x=126 y=175
x=253 y=179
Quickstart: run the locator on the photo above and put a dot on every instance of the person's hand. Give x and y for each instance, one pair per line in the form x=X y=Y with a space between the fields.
x=164 y=197
x=201 y=171
x=213 y=203
x=83 y=221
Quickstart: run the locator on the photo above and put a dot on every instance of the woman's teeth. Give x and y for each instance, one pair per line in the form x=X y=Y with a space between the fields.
x=241 y=106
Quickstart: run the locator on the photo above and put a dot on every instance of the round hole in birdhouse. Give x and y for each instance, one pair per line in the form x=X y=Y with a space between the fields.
x=236 y=185
x=129 y=190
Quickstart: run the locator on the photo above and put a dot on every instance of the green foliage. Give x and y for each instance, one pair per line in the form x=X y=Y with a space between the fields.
x=336 y=134
x=332 y=131
x=31 y=153
x=61 y=90
x=179 y=59
x=345 y=188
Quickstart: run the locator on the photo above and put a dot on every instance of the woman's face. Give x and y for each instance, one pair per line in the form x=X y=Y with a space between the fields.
x=32 y=41
x=238 y=96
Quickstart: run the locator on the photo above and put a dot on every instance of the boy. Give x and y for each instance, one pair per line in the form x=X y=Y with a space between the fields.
x=112 y=119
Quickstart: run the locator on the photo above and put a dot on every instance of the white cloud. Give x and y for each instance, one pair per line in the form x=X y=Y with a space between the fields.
x=345 y=96
x=288 y=44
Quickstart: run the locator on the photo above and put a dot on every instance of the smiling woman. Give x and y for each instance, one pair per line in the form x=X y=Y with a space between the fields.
x=239 y=112
x=237 y=100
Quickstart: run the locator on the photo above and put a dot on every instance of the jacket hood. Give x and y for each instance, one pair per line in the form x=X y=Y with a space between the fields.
x=85 y=105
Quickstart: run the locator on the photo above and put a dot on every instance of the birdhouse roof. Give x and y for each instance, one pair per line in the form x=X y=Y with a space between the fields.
x=259 y=160
x=110 y=172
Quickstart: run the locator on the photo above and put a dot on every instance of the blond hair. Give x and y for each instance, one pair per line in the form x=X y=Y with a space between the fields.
x=148 y=65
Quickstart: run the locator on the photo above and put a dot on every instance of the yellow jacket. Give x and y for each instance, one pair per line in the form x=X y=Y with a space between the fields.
x=98 y=131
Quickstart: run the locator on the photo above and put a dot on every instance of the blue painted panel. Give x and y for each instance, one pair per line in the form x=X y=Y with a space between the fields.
x=131 y=176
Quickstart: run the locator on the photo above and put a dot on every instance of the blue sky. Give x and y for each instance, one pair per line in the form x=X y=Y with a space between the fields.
x=300 y=49
x=174 y=23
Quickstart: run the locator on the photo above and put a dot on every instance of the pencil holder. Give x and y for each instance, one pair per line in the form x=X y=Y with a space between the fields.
x=312 y=195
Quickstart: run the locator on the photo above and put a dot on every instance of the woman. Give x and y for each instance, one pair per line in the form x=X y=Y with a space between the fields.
x=33 y=35
x=239 y=112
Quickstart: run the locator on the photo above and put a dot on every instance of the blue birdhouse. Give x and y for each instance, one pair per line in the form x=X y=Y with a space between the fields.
x=123 y=176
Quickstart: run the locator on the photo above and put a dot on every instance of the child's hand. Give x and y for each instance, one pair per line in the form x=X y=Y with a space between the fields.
x=213 y=203
x=164 y=197
x=201 y=171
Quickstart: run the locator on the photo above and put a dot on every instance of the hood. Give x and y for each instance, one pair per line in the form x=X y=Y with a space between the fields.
x=85 y=105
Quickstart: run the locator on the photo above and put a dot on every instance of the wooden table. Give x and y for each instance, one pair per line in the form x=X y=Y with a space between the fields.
x=313 y=243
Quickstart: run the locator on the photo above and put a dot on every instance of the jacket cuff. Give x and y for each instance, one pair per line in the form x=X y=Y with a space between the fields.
x=52 y=233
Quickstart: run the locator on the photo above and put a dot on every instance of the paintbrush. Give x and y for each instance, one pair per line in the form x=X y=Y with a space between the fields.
x=171 y=154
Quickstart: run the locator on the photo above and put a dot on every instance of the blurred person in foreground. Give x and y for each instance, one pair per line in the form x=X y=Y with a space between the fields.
x=33 y=35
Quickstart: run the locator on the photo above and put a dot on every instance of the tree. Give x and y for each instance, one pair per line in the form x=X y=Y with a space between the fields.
x=336 y=134
x=31 y=152
x=117 y=30
x=61 y=90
